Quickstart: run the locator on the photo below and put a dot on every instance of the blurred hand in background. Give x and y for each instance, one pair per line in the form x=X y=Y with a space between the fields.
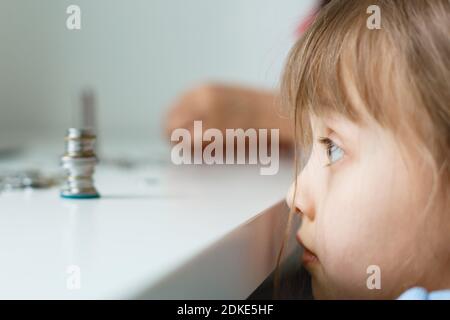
x=224 y=107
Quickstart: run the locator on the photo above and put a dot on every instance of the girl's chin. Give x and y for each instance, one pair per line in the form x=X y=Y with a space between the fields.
x=318 y=292
x=317 y=282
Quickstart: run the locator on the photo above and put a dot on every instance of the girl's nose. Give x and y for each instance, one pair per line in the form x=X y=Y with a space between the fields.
x=299 y=197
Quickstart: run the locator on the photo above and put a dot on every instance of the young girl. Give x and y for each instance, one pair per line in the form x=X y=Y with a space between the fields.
x=372 y=113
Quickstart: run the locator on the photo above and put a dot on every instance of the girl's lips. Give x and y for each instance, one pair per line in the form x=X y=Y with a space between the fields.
x=308 y=257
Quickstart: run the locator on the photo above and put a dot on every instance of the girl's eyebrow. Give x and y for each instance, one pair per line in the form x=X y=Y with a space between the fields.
x=344 y=128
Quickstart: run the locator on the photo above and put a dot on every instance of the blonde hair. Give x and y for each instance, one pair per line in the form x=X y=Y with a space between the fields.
x=400 y=73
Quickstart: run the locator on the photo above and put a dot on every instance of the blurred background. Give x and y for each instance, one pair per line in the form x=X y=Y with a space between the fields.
x=137 y=56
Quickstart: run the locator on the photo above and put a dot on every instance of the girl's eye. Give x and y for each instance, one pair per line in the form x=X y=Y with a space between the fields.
x=334 y=152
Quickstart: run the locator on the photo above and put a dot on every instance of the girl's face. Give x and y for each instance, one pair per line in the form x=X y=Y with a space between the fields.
x=363 y=205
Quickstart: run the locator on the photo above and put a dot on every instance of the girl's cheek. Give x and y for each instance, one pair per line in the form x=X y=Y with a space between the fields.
x=344 y=261
x=337 y=249
x=361 y=224
x=345 y=234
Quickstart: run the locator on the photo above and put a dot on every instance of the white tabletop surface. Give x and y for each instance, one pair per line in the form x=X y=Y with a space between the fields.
x=158 y=231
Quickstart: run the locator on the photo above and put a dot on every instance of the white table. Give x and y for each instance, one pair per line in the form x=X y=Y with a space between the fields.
x=159 y=231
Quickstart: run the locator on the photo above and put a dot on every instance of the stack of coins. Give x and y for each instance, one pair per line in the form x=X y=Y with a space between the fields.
x=79 y=163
